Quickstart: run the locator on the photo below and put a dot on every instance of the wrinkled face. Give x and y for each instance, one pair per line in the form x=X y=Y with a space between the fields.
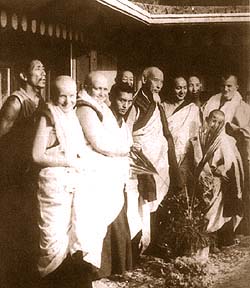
x=228 y=88
x=194 y=86
x=127 y=77
x=66 y=98
x=180 y=88
x=36 y=76
x=123 y=102
x=99 y=88
x=215 y=121
x=154 y=82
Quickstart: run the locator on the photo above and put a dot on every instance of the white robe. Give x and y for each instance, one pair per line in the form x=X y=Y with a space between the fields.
x=103 y=185
x=155 y=147
x=183 y=125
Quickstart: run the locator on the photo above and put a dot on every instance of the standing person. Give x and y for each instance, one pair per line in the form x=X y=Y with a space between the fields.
x=195 y=92
x=237 y=118
x=146 y=124
x=17 y=122
x=177 y=99
x=59 y=149
x=109 y=143
x=183 y=117
x=121 y=99
x=123 y=76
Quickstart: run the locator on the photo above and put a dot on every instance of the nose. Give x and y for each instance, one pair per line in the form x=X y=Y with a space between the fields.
x=125 y=105
x=102 y=93
x=67 y=100
x=159 y=85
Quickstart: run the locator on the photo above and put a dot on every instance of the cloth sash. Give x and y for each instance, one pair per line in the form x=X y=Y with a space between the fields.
x=229 y=107
x=57 y=187
x=226 y=158
x=104 y=185
x=156 y=152
x=68 y=132
x=184 y=124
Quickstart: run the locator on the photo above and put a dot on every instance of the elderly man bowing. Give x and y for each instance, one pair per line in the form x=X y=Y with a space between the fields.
x=237 y=118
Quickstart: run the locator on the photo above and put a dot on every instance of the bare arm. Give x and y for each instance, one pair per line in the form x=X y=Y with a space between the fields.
x=9 y=114
x=40 y=146
x=102 y=141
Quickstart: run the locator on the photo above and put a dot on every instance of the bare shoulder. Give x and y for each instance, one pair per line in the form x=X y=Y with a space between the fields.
x=11 y=108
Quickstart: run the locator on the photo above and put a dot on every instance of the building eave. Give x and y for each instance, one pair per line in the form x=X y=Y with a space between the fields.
x=136 y=12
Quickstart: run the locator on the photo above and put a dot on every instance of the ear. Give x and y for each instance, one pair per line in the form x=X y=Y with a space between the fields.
x=207 y=118
x=143 y=79
x=23 y=77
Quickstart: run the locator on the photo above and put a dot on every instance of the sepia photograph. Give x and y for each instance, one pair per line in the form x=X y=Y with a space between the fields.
x=124 y=143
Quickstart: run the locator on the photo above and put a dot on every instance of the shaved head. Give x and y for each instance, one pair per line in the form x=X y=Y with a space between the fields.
x=93 y=77
x=218 y=114
x=64 y=80
x=152 y=80
x=62 y=84
x=216 y=120
x=151 y=72
x=96 y=85
x=65 y=93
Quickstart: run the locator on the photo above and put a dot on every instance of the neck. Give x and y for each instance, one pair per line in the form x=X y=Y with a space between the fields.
x=197 y=101
x=118 y=117
x=178 y=101
x=33 y=92
x=148 y=93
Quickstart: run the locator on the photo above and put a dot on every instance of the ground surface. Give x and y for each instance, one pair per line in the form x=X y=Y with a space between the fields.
x=229 y=268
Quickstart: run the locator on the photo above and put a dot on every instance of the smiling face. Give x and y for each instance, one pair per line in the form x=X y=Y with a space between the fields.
x=180 y=88
x=229 y=87
x=36 y=75
x=98 y=88
x=128 y=77
x=66 y=93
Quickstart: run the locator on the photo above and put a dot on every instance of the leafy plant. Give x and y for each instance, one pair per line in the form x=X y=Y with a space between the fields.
x=182 y=225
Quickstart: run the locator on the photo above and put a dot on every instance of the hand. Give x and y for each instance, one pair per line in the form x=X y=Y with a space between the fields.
x=136 y=146
x=216 y=172
x=232 y=128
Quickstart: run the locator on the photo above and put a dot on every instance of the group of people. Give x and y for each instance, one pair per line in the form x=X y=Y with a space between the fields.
x=70 y=195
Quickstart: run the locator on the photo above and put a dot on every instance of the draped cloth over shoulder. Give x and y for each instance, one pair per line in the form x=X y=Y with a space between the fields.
x=183 y=125
x=157 y=153
x=58 y=188
x=237 y=112
x=147 y=129
x=222 y=194
x=104 y=183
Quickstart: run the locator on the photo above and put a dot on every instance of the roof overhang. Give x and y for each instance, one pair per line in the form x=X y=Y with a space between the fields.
x=136 y=12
